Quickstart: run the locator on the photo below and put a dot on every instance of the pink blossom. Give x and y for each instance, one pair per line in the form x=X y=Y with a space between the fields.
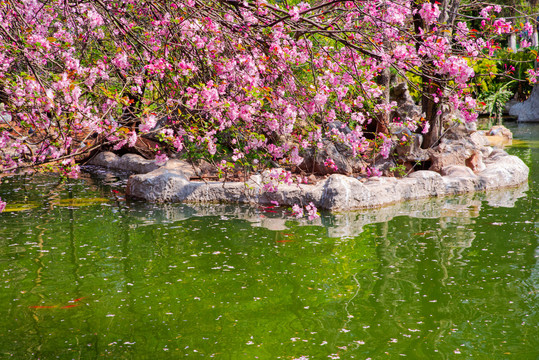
x=149 y=123
x=502 y=26
x=385 y=148
x=294 y=13
x=120 y=144
x=429 y=12
x=485 y=12
x=161 y=159
x=95 y=19
x=524 y=43
x=426 y=127
x=329 y=163
x=373 y=172
x=532 y=78
x=2 y=205
x=132 y=139
x=121 y=60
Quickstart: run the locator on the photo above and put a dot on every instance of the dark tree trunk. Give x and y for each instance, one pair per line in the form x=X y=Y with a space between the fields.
x=448 y=11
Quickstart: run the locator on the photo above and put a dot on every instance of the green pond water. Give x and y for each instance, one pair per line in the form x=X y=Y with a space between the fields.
x=85 y=274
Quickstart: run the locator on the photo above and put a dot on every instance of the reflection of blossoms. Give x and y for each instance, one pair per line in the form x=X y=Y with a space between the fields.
x=74 y=172
x=311 y=211
x=297 y=211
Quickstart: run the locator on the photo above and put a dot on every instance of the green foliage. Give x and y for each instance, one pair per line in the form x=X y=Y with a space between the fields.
x=415 y=85
x=486 y=70
x=496 y=98
x=398 y=170
x=516 y=64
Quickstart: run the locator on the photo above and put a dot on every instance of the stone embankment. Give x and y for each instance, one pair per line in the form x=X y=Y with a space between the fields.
x=171 y=183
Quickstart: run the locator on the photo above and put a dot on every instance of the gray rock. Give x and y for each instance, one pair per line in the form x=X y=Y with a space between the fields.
x=527 y=111
x=342 y=192
x=314 y=159
x=137 y=164
x=182 y=166
x=105 y=159
x=406 y=106
x=161 y=185
x=412 y=150
x=170 y=183
x=338 y=192
x=457 y=171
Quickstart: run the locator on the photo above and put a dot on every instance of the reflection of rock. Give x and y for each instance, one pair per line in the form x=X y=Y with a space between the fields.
x=258 y=216
x=506 y=198
x=460 y=209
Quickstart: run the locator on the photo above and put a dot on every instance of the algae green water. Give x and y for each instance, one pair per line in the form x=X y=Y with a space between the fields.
x=86 y=275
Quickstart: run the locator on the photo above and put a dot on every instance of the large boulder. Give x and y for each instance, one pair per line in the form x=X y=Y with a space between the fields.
x=314 y=160
x=136 y=164
x=527 y=111
x=499 y=136
x=407 y=144
x=406 y=106
x=460 y=147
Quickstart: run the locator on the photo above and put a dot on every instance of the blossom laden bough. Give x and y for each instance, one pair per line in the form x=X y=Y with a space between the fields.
x=254 y=84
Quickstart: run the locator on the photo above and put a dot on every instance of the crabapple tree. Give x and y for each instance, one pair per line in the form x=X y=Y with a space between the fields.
x=241 y=83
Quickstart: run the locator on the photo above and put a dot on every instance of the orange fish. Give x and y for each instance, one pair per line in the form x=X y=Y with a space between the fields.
x=70 y=306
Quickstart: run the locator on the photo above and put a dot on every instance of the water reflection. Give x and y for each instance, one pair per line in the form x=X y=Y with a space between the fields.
x=339 y=225
x=86 y=274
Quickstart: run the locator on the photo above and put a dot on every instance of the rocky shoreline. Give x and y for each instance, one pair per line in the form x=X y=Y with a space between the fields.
x=171 y=183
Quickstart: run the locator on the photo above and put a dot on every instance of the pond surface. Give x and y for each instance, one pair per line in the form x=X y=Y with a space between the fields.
x=85 y=275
